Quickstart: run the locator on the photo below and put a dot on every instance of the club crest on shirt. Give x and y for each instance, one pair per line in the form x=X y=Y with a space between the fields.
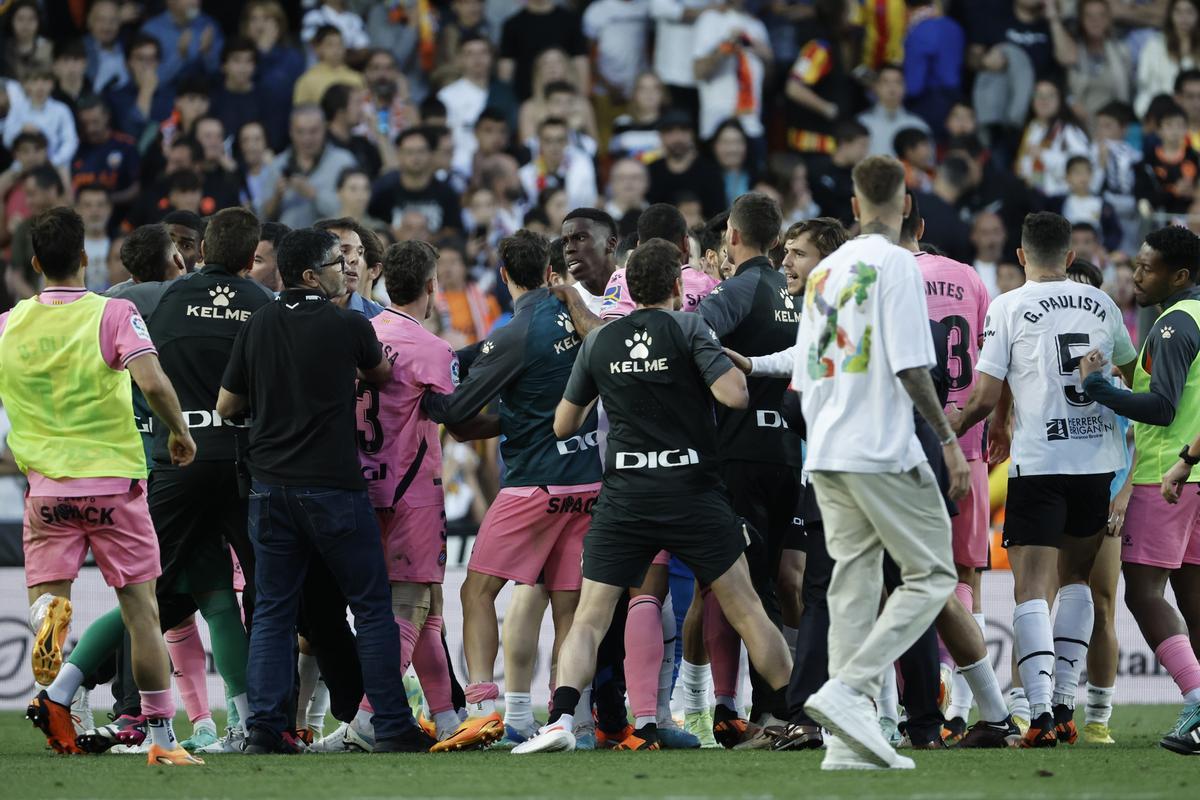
x=486 y=348
x=139 y=327
x=1167 y=332
x=639 y=354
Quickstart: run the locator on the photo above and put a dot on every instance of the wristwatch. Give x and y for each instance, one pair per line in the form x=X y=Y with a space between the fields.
x=1190 y=460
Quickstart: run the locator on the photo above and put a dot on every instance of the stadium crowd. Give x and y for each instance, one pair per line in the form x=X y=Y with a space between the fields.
x=340 y=277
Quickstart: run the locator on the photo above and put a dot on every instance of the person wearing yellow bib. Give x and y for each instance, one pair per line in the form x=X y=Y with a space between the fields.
x=1160 y=540
x=67 y=357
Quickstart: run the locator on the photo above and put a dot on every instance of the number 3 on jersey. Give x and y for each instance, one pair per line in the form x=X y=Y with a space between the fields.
x=1072 y=347
x=370 y=432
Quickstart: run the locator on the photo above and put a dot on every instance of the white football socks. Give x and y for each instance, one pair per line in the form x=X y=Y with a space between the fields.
x=981 y=679
x=1034 y=644
x=1073 y=620
x=666 y=670
x=697 y=683
x=1099 y=704
x=518 y=710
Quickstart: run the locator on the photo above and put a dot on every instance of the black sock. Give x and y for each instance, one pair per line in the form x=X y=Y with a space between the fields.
x=648 y=732
x=779 y=703
x=723 y=713
x=564 y=701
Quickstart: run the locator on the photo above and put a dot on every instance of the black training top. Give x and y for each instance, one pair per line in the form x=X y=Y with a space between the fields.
x=754 y=315
x=194 y=328
x=652 y=370
x=296 y=362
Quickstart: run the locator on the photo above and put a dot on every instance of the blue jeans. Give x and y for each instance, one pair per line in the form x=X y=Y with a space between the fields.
x=288 y=526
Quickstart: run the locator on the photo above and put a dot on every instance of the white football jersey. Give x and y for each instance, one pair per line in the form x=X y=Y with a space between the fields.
x=1034 y=337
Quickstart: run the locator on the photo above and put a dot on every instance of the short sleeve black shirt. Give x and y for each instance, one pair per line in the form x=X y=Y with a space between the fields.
x=652 y=370
x=296 y=361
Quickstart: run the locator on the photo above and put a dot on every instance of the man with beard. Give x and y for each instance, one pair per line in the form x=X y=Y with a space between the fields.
x=682 y=168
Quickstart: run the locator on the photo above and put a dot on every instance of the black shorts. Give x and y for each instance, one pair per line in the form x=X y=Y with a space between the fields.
x=1042 y=509
x=766 y=496
x=197 y=511
x=625 y=535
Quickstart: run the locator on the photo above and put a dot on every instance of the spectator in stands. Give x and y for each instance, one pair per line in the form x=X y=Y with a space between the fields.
x=105 y=157
x=674 y=25
x=396 y=29
x=144 y=101
x=354 y=195
x=563 y=100
x=1010 y=275
x=628 y=182
x=560 y=165
x=69 y=68
x=308 y=170
x=1166 y=53
x=618 y=33
x=256 y=167
x=24 y=48
x=731 y=151
x=1082 y=204
x=552 y=206
x=1100 y=65
x=540 y=26
x=888 y=116
x=330 y=68
x=1053 y=135
x=467 y=312
x=342 y=106
x=185 y=193
x=732 y=54
x=222 y=185
x=467 y=22
x=237 y=101
x=1187 y=95
x=682 y=168
x=933 y=58
x=93 y=204
x=266 y=268
x=818 y=85
x=988 y=240
x=43 y=191
x=466 y=98
x=191 y=41
x=798 y=203
x=635 y=133
x=551 y=69
x=40 y=112
x=833 y=186
x=500 y=174
x=1117 y=162
x=389 y=93
x=1167 y=180
x=944 y=225
x=335 y=13
x=105 y=53
x=413 y=187
x=914 y=148
x=280 y=64
x=29 y=150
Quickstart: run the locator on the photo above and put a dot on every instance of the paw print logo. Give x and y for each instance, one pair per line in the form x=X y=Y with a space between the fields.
x=787 y=299
x=221 y=295
x=564 y=321
x=639 y=345
x=487 y=347
x=1168 y=332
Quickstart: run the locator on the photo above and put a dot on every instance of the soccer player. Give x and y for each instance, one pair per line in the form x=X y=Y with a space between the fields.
x=860 y=371
x=957 y=298
x=753 y=314
x=589 y=241
x=1160 y=541
x=657 y=372
x=1066 y=449
x=401 y=455
x=66 y=360
x=536 y=525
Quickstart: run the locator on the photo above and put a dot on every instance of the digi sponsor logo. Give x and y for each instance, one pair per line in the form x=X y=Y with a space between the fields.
x=577 y=444
x=769 y=419
x=654 y=460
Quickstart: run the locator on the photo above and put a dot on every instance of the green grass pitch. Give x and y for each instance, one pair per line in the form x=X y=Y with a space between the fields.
x=1135 y=768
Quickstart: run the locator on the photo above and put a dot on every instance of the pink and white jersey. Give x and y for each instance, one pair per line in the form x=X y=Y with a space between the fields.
x=123 y=337
x=958 y=298
x=398 y=444
x=619 y=303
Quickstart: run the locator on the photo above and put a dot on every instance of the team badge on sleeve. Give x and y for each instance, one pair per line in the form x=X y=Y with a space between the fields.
x=139 y=327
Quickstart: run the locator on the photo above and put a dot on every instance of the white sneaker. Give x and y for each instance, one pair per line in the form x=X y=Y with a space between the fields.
x=839 y=756
x=851 y=717
x=131 y=749
x=336 y=743
x=550 y=739
x=81 y=711
x=232 y=742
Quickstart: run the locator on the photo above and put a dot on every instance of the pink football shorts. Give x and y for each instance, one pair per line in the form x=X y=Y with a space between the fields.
x=59 y=531
x=1159 y=534
x=970 y=528
x=414 y=542
x=533 y=532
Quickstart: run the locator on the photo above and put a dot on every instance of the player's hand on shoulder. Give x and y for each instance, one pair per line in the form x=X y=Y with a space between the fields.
x=739 y=360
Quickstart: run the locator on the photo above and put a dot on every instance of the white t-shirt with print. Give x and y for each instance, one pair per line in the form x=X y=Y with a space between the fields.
x=864 y=321
x=1034 y=337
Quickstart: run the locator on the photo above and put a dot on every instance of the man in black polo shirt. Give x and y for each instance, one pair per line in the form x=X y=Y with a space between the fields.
x=657 y=372
x=753 y=314
x=294 y=365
